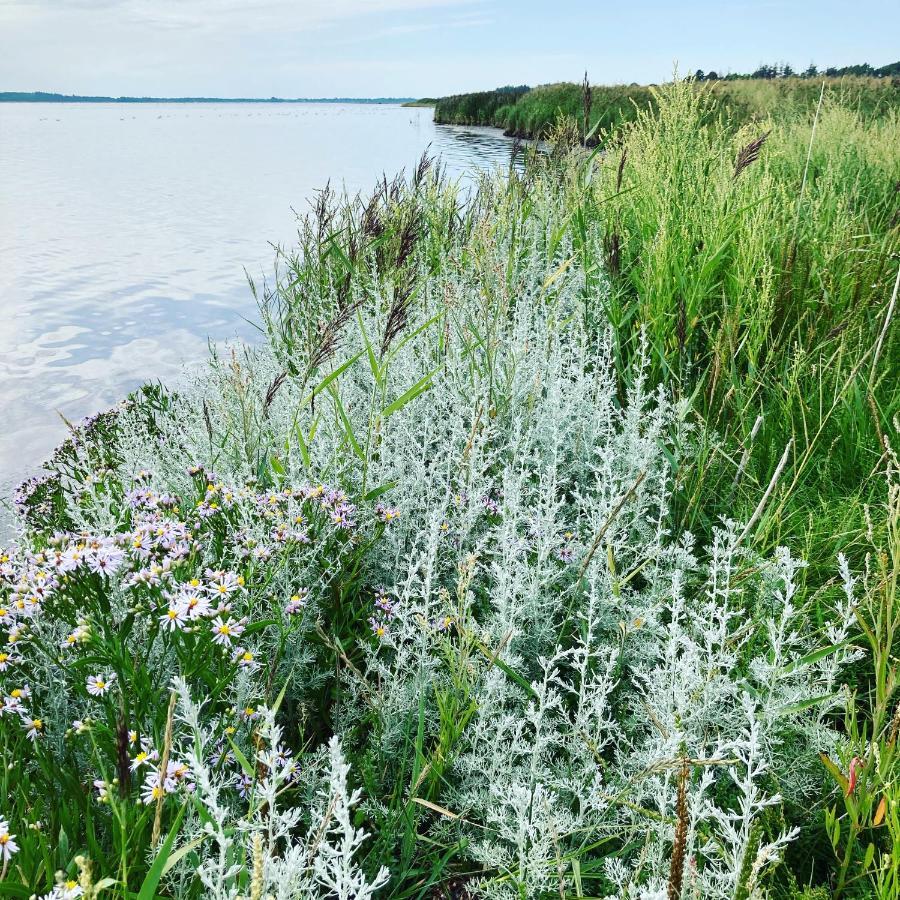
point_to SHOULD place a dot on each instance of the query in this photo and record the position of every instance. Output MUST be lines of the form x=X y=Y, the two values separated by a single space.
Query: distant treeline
x=44 y=97
x=785 y=70
x=529 y=112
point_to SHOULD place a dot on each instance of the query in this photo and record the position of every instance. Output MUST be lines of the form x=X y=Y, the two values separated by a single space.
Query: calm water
x=125 y=231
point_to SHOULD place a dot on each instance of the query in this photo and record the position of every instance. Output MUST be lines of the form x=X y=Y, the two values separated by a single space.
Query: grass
x=534 y=112
x=520 y=398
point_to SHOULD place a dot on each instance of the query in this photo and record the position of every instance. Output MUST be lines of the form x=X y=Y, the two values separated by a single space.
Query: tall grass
x=763 y=287
x=535 y=112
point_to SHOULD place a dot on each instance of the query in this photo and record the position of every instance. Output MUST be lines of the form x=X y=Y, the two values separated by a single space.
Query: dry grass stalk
x=163 y=768
x=679 y=846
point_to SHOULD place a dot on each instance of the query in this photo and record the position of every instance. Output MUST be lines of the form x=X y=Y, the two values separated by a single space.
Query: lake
x=125 y=231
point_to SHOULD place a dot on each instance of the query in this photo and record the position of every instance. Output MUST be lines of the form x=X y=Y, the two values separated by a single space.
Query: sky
x=416 y=48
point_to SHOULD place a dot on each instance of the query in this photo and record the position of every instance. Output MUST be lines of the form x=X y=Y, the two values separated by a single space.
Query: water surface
x=125 y=232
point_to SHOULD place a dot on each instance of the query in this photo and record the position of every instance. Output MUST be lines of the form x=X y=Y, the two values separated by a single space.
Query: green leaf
x=348 y=427
x=870 y=855
x=181 y=852
x=375 y=493
x=323 y=384
x=151 y=880
x=509 y=672
x=836 y=773
x=813 y=657
x=377 y=372
x=422 y=385
x=279 y=699
x=803 y=704
x=249 y=771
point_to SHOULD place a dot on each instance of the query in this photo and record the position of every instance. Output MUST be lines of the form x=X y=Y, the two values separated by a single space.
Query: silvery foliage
x=264 y=843
x=534 y=539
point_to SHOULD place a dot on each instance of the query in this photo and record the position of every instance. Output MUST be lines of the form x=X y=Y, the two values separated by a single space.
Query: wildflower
x=34 y=728
x=386 y=513
x=245 y=659
x=143 y=758
x=72 y=558
x=244 y=783
x=223 y=583
x=565 y=555
x=173 y=618
x=66 y=890
x=8 y=845
x=225 y=631
x=194 y=604
x=106 y=561
x=102 y=789
x=384 y=603
x=98 y=685
x=297 y=602
x=12 y=703
x=152 y=789
x=79 y=636
x=177 y=773
x=444 y=623
x=7 y=660
x=491 y=505
x=222 y=754
x=341 y=518
x=282 y=756
x=378 y=627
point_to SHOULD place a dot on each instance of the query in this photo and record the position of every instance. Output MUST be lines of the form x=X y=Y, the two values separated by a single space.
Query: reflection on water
x=125 y=232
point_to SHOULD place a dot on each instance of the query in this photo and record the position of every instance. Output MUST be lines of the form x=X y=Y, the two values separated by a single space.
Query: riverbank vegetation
x=532 y=112
x=546 y=546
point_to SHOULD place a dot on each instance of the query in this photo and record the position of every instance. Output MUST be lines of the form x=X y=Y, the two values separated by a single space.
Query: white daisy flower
x=173 y=618
x=225 y=631
x=98 y=685
x=8 y=846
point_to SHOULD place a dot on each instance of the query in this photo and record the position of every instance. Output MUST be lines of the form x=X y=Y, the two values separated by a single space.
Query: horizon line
x=54 y=96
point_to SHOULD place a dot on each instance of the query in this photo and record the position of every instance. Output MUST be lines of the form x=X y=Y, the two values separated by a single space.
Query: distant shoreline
x=45 y=97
